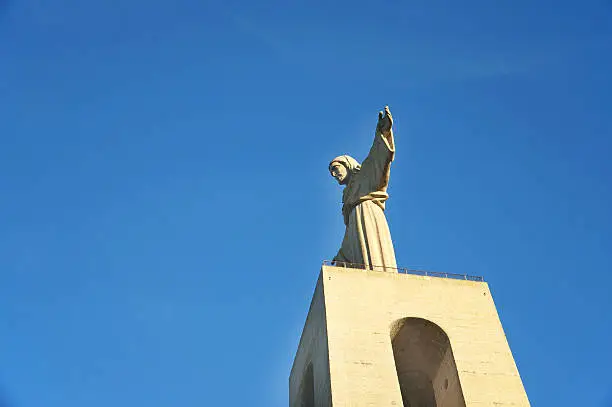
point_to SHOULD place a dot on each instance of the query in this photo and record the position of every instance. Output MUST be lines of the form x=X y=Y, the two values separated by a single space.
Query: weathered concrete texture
x=309 y=384
x=348 y=339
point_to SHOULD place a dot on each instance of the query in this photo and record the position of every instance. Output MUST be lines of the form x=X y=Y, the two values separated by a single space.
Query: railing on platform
x=403 y=270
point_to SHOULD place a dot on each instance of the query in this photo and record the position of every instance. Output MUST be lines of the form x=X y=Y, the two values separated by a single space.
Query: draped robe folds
x=367 y=239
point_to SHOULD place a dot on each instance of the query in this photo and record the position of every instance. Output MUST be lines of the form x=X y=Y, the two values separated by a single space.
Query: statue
x=367 y=240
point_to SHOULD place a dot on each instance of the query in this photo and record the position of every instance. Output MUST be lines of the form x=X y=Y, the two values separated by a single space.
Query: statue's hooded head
x=343 y=167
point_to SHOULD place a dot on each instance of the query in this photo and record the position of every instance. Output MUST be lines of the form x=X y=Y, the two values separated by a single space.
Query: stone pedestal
x=385 y=339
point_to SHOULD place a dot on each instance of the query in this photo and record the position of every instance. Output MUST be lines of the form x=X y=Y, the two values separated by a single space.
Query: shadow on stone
x=425 y=364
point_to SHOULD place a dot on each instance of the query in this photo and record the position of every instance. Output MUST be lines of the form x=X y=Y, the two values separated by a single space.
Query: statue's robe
x=367 y=239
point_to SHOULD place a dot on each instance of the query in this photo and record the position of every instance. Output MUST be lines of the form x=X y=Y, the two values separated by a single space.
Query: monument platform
x=374 y=338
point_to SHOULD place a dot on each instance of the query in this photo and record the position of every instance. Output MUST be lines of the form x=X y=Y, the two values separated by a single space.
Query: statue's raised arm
x=367 y=240
x=376 y=167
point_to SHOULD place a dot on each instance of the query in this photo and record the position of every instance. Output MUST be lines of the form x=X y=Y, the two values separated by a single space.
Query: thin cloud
x=438 y=65
x=417 y=63
x=407 y=63
x=254 y=30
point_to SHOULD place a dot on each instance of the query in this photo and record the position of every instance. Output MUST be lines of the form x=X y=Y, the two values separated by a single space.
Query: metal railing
x=403 y=270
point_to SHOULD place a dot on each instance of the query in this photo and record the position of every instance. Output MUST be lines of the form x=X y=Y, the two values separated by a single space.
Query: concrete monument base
x=386 y=339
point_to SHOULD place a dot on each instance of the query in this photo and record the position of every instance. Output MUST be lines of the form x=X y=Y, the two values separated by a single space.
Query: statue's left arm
x=376 y=167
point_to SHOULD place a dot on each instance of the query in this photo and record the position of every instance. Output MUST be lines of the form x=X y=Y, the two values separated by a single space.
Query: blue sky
x=166 y=203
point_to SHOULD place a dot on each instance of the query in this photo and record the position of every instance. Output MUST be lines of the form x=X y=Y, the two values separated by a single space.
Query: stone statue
x=367 y=240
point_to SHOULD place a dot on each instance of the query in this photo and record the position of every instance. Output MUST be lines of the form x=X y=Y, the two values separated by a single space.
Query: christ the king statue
x=367 y=240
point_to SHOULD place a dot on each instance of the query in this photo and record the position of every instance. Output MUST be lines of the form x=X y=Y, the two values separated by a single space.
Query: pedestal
x=375 y=338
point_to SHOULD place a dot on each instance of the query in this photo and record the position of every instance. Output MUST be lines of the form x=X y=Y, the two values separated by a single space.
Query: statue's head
x=343 y=167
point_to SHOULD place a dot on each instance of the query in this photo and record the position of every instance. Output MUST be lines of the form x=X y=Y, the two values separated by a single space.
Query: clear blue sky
x=166 y=203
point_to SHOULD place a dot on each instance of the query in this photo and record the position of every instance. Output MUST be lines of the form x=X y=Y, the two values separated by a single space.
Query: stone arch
x=306 y=392
x=425 y=364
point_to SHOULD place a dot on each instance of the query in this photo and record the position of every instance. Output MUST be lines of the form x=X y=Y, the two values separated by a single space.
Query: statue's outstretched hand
x=385 y=120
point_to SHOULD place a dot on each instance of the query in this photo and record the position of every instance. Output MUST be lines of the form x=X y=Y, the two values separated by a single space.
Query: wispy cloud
x=348 y=61
x=252 y=29
x=349 y=56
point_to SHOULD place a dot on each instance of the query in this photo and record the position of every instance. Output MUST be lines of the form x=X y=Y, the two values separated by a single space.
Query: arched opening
x=425 y=365
x=306 y=394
